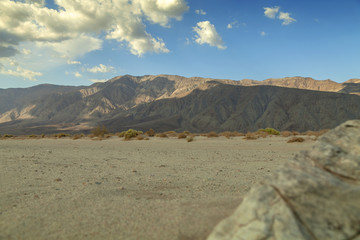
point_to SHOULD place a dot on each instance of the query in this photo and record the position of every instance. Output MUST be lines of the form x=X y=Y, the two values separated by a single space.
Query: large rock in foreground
x=314 y=196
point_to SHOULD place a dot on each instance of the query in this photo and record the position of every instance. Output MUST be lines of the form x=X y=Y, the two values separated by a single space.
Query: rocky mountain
x=168 y=102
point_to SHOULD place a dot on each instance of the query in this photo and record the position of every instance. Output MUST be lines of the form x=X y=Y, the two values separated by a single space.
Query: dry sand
x=115 y=189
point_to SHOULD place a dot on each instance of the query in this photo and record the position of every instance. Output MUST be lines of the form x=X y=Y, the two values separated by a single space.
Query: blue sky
x=78 y=42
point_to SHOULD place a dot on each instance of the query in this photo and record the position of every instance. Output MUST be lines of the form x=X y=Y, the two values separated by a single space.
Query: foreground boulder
x=314 y=196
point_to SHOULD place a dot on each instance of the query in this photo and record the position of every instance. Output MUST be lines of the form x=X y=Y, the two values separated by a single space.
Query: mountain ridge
x=52 y=108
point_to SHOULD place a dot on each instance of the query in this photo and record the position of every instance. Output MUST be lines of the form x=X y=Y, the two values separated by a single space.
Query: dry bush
x=228 y=134
x=190 y=138
x=77 y=136
x=140 y=137
x=286 y=133
x=161 y=135
x=251 y=136
x=99 y=131
x=212 y=134
x=296 y=139
x=171 y=133
x=261 y=133
x=181 y=135
x=8 y=136
x=150 y=133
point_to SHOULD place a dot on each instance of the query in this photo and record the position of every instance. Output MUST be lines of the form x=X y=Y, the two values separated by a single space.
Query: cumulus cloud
x=206 y=33
x=235 y=24
x=77 y=74
x=74 y=47
x=263 y=34
x=285 y=17
x=70 y=62
x=98 y=80
x=200 y=12
x=161 y=11
x=121 y=20
x=271 y=12
x=101 y=68
x=20 y=72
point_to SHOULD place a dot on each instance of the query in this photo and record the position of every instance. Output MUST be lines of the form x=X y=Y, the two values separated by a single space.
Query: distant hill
x=168 y=102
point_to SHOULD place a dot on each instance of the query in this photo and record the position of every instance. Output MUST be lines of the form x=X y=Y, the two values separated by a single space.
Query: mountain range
x=169 y=102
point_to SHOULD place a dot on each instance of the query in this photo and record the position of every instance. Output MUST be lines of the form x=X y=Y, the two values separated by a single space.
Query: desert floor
x=115 y=189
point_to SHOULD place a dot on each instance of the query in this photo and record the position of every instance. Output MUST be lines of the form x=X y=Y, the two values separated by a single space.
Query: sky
x=79 y=42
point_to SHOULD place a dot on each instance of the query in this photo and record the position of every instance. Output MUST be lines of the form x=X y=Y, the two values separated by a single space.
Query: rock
x=316 y=195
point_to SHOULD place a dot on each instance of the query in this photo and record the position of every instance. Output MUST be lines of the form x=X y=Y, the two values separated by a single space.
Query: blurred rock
x=314 y=196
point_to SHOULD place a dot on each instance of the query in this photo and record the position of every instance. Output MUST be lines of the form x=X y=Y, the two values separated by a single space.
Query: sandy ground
x=115 y=189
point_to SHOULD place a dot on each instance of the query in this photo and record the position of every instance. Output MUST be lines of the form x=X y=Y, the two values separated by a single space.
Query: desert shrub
x=251 y=136
x=295 y=133
x=99 y=131
x=140 y=137
x=120 y=134
x=181 y=135
x=187 y=133
x=190 y=138
x=62 y=135
x=171 y=133
x=286 y=133
x=296 y=139
x=77 y=136
x=228 y=134
x=150 y=133
x=43 y=136
x=33 y=136
x=8 y=136
x=212 y=134
x=161 y=135
x=271 y=131
x=131 y=133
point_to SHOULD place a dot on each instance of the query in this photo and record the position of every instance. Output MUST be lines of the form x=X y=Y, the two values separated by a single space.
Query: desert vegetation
x=101 y=133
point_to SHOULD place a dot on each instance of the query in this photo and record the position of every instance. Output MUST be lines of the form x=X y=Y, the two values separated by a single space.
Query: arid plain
x=162 y=188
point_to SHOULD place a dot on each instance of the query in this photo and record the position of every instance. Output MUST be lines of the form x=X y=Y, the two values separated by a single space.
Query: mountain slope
x=173 y=102
x=230 y=108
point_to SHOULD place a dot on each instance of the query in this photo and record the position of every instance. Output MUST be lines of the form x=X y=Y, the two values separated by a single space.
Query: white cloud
x=285 y=17
x=161 y=11
x=78 y=75
x=121 y=20
x=101 y=68
x=20 y=72
x=70 y=62
x=200 y=12
x=263 y=34
x=75 y=47
x=206 y=33
x=26 y=51
x=235 y=24
x=98 y=80
x=271 y=12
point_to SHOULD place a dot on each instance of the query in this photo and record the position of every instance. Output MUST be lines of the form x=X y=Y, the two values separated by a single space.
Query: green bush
x=131 y=133
x=270 y=131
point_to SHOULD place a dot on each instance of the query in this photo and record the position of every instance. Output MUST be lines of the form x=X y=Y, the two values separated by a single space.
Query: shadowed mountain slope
x=230 y=108
x=168 y=102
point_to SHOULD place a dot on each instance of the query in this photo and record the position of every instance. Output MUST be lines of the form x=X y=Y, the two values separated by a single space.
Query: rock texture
x=314 y=196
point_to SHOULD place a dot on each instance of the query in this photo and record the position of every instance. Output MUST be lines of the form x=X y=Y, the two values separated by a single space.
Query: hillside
x=169 y=102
